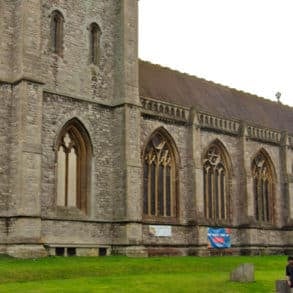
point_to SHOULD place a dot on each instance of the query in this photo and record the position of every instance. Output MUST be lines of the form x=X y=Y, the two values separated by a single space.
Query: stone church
x=102 y=153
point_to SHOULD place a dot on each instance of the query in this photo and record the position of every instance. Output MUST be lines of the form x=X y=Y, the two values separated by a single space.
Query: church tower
x=69 y=116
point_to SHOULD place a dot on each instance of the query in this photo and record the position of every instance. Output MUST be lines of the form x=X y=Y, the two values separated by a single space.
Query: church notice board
x=160 y=231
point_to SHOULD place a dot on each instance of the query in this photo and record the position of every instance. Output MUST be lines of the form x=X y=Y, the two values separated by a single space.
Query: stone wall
x=70 y=233
x=72 y=74
x=118 y=157
x=5 y=111
x=97 y=120
x=259 y=238
x=180 y=135
x=26 y=48
x=107 y=201
x=6 y=43
x=231 y=143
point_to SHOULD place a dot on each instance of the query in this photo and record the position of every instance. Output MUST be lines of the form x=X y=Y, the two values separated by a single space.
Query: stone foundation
x=26 y=251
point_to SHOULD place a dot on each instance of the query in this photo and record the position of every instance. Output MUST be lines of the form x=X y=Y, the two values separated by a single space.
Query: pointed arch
x=225 y=154
x=160 y=176
x=217 y=170
x=264 y=180
x=73 y=158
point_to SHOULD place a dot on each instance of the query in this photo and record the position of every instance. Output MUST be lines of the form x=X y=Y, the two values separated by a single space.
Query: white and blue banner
x=219 y=238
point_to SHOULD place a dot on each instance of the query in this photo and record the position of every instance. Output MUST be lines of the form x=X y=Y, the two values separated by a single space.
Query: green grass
x=122 y=274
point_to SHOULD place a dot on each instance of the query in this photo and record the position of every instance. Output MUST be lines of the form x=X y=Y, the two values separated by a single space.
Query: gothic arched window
x=216 y=184
x=57 y=22
x=263 y=187
x=160 y=177
x=73 y=166
x=95 y=34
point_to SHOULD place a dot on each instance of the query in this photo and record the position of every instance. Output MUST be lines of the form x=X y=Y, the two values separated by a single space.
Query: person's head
x=290 y=259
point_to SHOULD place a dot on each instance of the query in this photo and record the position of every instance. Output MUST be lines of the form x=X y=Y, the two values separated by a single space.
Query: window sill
x=160 y=220
x=70 y=213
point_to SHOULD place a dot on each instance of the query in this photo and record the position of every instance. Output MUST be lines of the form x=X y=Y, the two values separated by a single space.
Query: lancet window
x=73 y=166
x=216 y=184
x=95 y=34
x=263 y=188
x=57 y=23
x=160 y=184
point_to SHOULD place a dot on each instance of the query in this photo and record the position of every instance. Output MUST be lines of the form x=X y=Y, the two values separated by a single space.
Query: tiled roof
x=174 y=87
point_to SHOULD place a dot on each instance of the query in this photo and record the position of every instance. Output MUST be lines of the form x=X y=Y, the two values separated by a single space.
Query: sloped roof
x=174 y=87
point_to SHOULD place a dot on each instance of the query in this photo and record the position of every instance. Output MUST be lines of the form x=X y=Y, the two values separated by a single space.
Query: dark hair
x=290 y=257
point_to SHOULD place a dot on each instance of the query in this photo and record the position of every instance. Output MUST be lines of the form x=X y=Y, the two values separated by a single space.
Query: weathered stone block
x=136 y=251
x=282 y=286
x=243 y=273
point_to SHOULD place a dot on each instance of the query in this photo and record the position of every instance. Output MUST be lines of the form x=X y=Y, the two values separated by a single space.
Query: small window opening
x=102 y=251
x=57 y=32
x=59 y=251
x=71 y=251
x=95 y=34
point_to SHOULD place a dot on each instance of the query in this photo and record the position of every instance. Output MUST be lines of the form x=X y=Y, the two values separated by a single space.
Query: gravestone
x=282 y=286
x=243 y=273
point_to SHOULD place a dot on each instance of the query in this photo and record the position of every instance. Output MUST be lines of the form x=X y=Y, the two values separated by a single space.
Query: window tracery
x=263 y=188
x=73 y=167
x=159 y=178
x=215 y=183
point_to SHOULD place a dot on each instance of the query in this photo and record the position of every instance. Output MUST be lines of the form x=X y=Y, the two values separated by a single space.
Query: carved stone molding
x=172 y=112
x=264 y=134
x=165 y=110
x=220 y=124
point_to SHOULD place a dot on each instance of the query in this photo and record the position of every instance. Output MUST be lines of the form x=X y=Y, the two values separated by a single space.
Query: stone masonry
x=41 y=91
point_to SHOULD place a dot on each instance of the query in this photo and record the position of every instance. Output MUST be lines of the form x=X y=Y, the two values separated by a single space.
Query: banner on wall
x=219 y=237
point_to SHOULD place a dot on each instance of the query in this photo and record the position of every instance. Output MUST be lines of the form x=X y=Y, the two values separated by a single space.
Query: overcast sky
x=244 y=44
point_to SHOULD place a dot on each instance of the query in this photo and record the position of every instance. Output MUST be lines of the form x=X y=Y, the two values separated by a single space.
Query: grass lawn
x=122 y=274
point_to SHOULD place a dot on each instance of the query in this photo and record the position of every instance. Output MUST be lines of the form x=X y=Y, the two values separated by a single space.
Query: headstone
x=282 y=286
x=243 y=273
